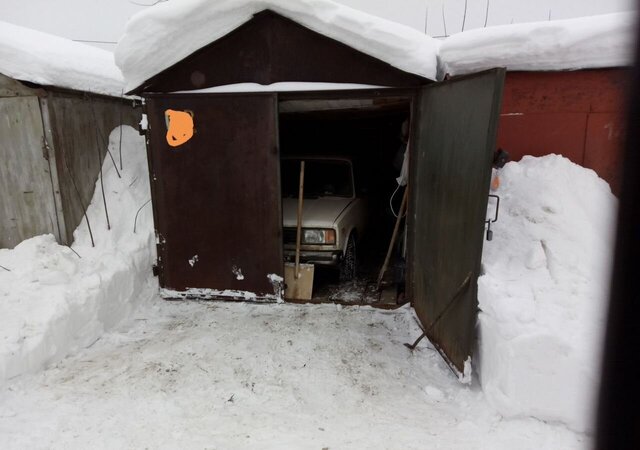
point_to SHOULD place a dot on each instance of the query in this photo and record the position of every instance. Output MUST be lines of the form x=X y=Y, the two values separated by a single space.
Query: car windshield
x=322 y=178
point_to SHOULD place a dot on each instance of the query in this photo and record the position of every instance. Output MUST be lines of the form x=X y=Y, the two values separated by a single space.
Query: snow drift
x=171 y=31
x=544 y=293
x=583 y=43
x=53 y=300
x=42 y=58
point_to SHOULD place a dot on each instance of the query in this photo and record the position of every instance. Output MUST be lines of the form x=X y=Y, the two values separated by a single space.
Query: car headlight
x=318 y=236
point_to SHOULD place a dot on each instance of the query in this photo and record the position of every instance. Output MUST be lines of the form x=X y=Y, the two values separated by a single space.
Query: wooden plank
x=14 y=88
x=27 y=206
x=62 y=235
x=73 y=120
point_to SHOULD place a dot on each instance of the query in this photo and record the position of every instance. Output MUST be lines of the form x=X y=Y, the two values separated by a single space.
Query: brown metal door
x=451 y=169
x=216 y=197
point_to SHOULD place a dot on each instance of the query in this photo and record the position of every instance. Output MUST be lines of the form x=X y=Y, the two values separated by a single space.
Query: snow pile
x=171 y=31
x=52 y=301
x=544 y=293
x=42 y=58
x=586 y=42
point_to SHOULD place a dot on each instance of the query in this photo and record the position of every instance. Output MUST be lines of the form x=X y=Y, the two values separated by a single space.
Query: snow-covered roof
x=587 y=42
x=30 y=55
x=163 y=35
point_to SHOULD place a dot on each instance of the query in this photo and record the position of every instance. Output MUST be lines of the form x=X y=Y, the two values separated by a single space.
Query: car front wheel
x=348 y=264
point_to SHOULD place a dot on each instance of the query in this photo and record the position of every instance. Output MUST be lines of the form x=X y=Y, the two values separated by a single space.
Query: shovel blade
x=300 y=288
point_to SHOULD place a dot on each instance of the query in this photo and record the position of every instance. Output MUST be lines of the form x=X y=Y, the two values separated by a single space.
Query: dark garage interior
x=369 y=133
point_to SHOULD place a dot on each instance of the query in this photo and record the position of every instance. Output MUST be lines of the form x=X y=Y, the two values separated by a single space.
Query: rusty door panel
x=540 y=134
x=451 y=159
x=606 y=133
x=565 y=113
x=596 y=90
x=216 y=198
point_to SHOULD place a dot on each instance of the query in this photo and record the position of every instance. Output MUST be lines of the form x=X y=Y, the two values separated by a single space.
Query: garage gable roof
x=165 y=35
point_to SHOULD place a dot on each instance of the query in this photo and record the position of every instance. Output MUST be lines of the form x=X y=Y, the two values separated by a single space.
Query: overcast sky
x=104 y=20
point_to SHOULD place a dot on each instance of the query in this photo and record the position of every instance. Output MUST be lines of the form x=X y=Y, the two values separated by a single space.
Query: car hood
x=316 y=212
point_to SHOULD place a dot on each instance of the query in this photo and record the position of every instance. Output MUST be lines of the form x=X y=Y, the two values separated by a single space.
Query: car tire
x=348 y=265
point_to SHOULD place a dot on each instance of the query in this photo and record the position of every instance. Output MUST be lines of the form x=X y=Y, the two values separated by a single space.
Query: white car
x=333 y=217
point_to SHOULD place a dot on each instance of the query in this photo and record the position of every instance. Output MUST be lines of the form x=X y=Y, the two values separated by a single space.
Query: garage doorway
x=353 y=148
x=233 y=163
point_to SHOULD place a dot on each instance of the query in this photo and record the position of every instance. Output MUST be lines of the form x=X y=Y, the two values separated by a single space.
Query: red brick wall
x=579 y=114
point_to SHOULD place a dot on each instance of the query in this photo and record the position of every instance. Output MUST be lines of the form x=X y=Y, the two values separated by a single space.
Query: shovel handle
x=299 y=227
x=396 y=228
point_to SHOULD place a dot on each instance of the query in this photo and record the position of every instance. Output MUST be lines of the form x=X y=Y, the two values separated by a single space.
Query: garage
x=229 y=122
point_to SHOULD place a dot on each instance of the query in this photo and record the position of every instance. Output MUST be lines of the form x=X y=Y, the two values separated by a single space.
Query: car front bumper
x=323 y=258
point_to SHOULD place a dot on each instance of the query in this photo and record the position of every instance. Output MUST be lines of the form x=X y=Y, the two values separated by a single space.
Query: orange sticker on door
x=179 y=126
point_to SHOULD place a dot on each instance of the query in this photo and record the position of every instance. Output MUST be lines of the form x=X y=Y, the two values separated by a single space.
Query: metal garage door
x=217 y=196
x=451 y=168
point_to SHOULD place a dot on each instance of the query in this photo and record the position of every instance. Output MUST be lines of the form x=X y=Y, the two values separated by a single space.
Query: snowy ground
x=235 y=375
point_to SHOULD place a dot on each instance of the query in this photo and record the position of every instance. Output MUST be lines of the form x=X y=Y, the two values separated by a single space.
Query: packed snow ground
x=544 y=295
x=239 y=375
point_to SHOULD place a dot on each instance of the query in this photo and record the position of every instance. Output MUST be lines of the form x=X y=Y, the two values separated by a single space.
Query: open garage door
x=216 y=194
x=454 y=142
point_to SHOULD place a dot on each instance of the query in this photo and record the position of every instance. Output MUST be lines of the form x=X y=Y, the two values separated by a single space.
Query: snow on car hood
x=316 y=212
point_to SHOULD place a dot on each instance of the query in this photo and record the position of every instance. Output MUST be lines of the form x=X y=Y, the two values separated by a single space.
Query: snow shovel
x=298 y=278
x=385 y=265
